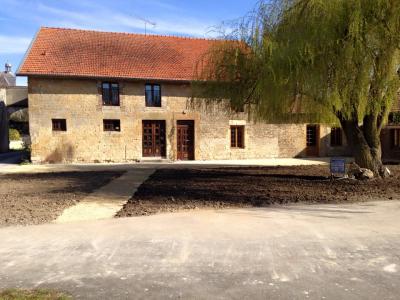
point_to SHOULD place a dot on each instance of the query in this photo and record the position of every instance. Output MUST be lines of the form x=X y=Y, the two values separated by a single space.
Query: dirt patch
x=27 y=199
x=169 y=190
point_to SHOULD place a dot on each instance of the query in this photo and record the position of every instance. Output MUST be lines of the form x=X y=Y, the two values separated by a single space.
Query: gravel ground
x=27 y=199
x=169 y=190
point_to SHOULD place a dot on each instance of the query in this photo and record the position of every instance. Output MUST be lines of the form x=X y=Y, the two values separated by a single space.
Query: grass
x=37 y=294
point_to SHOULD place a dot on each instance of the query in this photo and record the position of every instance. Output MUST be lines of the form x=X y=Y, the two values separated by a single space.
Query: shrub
x=14 y=134
x=395 y=118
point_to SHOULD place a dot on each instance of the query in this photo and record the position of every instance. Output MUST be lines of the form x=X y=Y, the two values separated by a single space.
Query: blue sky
x=20 y=19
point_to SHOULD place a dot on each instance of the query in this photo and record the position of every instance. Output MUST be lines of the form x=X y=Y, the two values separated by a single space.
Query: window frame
x=312 y=139
x=61 y=127
x=237 y=136
x=111 y=128
x=336 y=137
x=147 y=101
x=109 y=101
x=395 y=138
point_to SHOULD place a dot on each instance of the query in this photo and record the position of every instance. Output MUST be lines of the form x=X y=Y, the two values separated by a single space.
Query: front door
x=154 y=141
x=312 y=140
x=185 y=142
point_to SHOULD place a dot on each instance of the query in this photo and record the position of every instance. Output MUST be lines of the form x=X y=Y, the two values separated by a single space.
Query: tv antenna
x=146 y=21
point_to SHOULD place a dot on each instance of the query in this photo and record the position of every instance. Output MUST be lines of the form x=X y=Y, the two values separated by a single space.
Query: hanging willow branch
x=308 y=60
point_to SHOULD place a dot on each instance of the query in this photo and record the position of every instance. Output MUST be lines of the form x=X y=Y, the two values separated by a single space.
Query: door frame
x=190 y=123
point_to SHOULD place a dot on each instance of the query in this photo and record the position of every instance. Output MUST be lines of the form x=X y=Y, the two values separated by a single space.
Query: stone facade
x=80 y=103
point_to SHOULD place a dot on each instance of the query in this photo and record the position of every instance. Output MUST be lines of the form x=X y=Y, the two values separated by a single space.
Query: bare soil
x=27 y=199
x=169 y=190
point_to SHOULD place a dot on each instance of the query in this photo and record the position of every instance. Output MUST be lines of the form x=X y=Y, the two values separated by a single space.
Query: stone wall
x=79 y=102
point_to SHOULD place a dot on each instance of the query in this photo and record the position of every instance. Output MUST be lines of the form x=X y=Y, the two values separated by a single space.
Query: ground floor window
x=336 y=137
x=311 y=135
x=395 y=138
x=111 y=125
x=59 y=124
x=237 y=137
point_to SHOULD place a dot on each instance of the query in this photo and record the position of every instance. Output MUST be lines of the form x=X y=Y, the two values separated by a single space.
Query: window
x=59 y=124
x=237 y=108
x=111 y=125
x=391 y=118
x=237 y=136
x=395 y=137
x=153 y=95
x=311 y=135
x=110 y=92
x=336 y=137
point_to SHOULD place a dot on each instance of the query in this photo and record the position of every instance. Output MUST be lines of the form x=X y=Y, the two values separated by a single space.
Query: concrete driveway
x=296 y=252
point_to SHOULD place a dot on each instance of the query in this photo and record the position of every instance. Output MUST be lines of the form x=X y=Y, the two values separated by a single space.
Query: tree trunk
x=365 y=144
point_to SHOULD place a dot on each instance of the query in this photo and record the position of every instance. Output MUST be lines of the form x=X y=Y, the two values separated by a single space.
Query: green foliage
x=39 y=294
x=309 y=59
x=14 y=134
x=395 y=118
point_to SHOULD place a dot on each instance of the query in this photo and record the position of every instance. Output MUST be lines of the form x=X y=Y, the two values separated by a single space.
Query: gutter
x=67 y=76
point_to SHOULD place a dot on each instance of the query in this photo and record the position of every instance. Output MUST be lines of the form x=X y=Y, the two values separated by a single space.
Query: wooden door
x=154 y=141
x=185 y=140
x=313 y=136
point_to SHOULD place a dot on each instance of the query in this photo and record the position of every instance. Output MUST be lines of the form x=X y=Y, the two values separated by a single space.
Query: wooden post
x=4 y=140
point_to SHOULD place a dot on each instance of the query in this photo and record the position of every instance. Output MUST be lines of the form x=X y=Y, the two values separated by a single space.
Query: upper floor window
x=336 y=137
x=396 y=138
x=153 y=95
x=110 y=92
x=237 y=107
x=59 y=124
x=237 y=136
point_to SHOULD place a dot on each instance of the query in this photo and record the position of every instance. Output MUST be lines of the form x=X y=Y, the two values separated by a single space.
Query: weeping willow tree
x=333 y=61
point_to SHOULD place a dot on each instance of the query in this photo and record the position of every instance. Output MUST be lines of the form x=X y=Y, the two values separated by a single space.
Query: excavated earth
x=27 y=199
x=169 y=190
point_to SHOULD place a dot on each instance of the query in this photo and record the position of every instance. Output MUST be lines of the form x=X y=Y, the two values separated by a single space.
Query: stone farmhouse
x=118 y=97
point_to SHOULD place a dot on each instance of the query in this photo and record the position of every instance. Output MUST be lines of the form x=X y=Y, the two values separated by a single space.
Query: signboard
x=338 y=166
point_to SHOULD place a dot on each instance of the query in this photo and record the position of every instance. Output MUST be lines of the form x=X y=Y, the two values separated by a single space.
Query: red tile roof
x=83 y=53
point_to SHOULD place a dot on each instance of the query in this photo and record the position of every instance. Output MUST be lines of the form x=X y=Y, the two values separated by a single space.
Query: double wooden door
x=154 y=141
x=185 y=140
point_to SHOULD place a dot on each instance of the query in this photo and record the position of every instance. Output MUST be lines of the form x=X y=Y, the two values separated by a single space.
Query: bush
x=395 y=118
x=14 y=134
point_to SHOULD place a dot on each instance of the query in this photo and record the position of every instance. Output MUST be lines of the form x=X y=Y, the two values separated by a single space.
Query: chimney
x=8 y=68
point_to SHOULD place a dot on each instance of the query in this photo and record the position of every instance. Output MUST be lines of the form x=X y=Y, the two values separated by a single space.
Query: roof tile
x=84 y=53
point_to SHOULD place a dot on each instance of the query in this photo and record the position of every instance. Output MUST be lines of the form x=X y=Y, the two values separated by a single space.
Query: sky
x=21 y=19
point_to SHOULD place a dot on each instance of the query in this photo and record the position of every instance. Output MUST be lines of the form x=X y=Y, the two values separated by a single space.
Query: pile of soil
x=169 y=190
x=27 y=199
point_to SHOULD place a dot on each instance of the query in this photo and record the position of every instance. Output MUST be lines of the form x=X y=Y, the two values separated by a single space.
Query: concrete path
x=44 y=168
x=108 y=200
x=295 y=252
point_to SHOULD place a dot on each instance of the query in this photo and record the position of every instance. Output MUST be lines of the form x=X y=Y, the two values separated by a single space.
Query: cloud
x=116 y=21
x=13 y=44
x=164 y=25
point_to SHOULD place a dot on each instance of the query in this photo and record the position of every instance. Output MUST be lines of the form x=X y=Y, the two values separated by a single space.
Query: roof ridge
x=136 y=34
